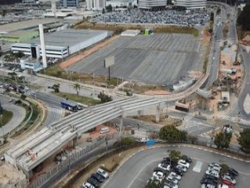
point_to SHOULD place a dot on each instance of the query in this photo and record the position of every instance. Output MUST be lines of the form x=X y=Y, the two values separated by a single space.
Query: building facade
x=152 y=4
x=69 y=3
x=191 y=4
x=96 y=4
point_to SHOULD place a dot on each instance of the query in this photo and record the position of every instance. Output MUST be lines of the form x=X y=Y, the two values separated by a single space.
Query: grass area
x=97 y=80
x=77 y=98
x=6 y=117
x=118 y=28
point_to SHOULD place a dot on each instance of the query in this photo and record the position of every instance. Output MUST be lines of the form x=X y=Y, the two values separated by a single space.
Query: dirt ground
x=164 y=121
x=86 y=53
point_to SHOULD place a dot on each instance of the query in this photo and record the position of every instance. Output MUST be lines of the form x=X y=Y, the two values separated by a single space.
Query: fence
x=78 y=157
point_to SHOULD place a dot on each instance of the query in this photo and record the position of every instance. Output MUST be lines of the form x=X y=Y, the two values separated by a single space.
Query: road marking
x=198 y=166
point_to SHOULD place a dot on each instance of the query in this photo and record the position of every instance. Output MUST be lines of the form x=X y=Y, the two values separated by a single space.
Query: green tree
x=77 y=87
x=222 y=140
x=244 y=141
x=172 y=134
x=224 y=169
x=104 y=98
x=153 y=184
x=109 y=8
x=23 y=97
x=174 y=156
x=244 y=18
x=4 y=12
x=56 y=88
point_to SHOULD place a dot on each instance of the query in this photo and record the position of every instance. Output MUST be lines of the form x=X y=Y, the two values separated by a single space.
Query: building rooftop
x=24 y=25
x=67 y=37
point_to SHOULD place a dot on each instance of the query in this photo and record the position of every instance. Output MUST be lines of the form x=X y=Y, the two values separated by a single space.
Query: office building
x=96 y=4
x=69 y=3
x=152 y=4
x=191 y=4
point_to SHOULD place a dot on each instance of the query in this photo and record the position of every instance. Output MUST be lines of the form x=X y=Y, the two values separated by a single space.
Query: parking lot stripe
x=198 y=166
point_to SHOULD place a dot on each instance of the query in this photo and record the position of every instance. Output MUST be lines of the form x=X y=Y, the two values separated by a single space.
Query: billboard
x=109 y=61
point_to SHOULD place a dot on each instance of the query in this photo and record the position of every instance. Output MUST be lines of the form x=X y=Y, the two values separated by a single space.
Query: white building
x=96 y=4
x=62 y=43
x=152 y=4
x=121 y=3
x=191 y=4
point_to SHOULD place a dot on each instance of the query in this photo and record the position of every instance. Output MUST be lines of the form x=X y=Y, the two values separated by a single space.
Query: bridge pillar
x=157 y=114
x=74 y=142
x=120 y=126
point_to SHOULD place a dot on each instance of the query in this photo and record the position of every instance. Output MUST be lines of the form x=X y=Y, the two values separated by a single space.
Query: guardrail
x=73 y=160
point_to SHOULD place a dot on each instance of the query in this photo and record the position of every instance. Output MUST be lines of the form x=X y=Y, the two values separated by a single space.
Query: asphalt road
x=17 y=118
x=53 y=104
x=155 y=59
x=245 y=91
x=138 y=169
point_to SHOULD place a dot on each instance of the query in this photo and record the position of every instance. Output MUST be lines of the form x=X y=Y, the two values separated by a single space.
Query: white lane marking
x=139 y=173
x=198 y=166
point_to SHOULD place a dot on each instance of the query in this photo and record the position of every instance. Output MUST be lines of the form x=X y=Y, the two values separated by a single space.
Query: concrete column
x=157 y=114
x=120 y=126
x=74 y=142
x=42 y=42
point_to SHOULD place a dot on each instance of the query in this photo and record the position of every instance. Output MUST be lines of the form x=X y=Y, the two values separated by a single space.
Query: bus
x=69 y=105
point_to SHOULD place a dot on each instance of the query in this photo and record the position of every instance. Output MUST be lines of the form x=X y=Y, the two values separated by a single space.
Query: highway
x=138 y=169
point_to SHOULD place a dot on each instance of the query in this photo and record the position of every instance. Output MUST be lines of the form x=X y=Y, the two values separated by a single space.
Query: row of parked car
x=215 y=178
x=168 y=173
x=96 y=179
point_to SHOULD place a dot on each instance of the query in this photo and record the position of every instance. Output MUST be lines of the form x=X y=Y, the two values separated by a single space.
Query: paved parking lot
x=156 y=59
x=136 y=171
x=194 y=17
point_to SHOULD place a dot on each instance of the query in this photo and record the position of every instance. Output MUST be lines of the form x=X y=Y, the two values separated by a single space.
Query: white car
x=103 y=173
x=183 y=163
x=172 y=179
x=164 y=167
x=228 y=178
x=212 y=165
x=158 y=175
x=173 y=174
x=213 y=173
x=214 y=168
x=87 y=185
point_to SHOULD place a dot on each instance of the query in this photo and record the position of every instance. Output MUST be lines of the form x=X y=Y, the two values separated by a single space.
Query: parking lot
x=156 y=59
x=135 y=172
x=194 y=17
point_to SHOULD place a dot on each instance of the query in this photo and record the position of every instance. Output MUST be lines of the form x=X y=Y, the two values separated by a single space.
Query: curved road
x=244 y=98
x=17 y=118
x=135 y=172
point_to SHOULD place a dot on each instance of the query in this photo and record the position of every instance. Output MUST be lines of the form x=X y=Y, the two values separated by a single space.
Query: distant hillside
x=8 y=2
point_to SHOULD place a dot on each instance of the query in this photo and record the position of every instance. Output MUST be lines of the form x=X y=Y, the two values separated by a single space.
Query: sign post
x=108 y=62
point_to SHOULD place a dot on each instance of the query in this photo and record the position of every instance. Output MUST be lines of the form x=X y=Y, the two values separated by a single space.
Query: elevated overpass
x=37 y=148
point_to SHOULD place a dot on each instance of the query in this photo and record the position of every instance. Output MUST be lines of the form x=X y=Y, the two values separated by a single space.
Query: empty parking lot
x=156 y=59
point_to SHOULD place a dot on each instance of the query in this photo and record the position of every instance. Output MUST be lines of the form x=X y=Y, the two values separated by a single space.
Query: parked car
x=93 y=182
x=213 y=173
x=98 y=177
x=164 y=166
x=186 y=158
x=182 y=168
x=233 y=171
x=103 y=173
x=228 y=178
x=87 y=185
x=183 y=163
x=173 y=174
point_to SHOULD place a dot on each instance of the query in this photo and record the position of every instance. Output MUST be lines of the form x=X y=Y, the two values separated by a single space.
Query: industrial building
x=121 y=3
x=191 y=4
x=62 y=43
x=25 y=30
x=152 y=4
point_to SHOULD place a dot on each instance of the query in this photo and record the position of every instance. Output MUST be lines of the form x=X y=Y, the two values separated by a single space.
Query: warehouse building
x=25 y=30
x=191 y=4
x=62 y=43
